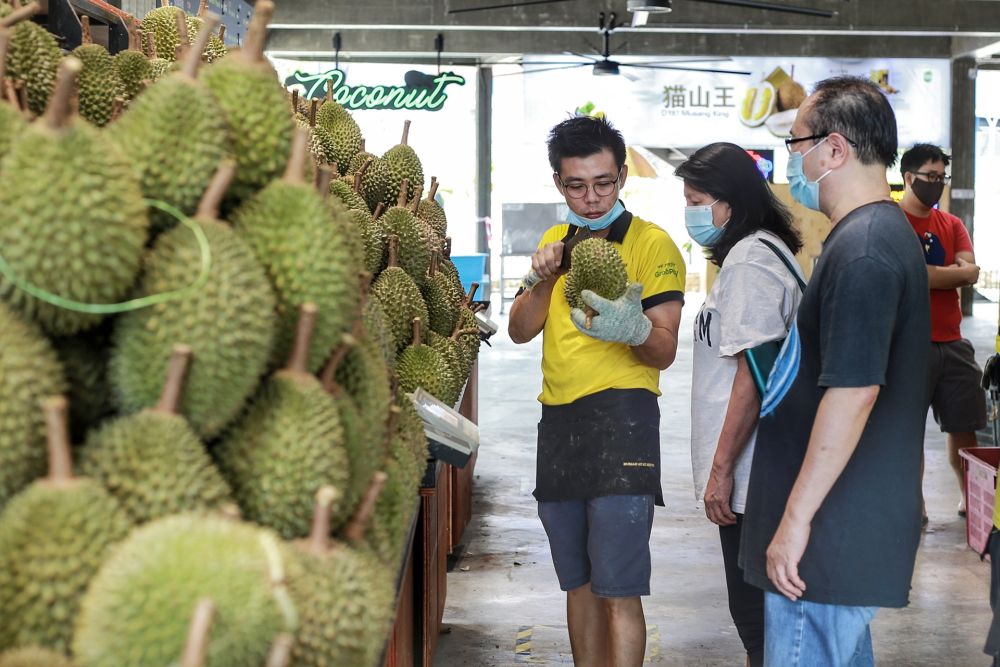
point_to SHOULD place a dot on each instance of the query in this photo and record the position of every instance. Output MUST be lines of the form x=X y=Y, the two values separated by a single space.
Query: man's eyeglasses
x=933 y=176
x=813 y=137
x=601 y=188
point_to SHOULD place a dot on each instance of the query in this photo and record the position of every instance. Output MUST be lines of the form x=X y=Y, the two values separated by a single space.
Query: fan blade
x=687 y=69
x=685 y=60
x=518 y=3
x=580 y=55
x=544 y=69
x=788 y=9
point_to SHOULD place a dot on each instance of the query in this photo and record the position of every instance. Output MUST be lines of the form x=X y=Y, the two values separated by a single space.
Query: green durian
x=153 y=462
x=442 y=298
x=431 y=212
x=420 y=366
x=399 y=297
x=414 y=251
x=311 y=254
x=33 y=656
x=452 y=355
x=158 y=67
x=595 y=266
x=288 y=444
x=467 y=334
x=88 y=253
x=29 y=371
x=376 y=181
x=98 y=85
x=338 y=134
x=33 y=56
x=132 y=67
x=403 y=164
x=373 y=237
x=253 y=103
x=11 y=118
x=229 y=322
x=161 y=24
x=215 y=48
x=347 y=191
x=377 y=332
x=54 y=536
x=178 y=111
x=137 y=610
x=84 y=358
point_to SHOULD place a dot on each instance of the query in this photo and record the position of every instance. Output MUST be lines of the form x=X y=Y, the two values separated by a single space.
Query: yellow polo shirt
x=574 y=364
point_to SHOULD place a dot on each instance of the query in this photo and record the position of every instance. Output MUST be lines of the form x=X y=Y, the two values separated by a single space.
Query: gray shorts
x=604 y=541
x=956 y=396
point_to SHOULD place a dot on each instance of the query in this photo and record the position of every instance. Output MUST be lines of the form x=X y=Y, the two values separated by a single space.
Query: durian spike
x=406 y=133
x=355 y=530
x=202 y=8
x=295 y=171
x=295 y=102
x=333 y=363
x=253 y=48
x=196 y=646
x=416 y=333
x=56 y=409
x=303 y=337
x=58 y=111
x=416 y=201
x=324 y=176
x=319 y=535
x=472 y=293
x=152 y=45
x=170 y=398
x=435 y=259
x=208 y=207
x=404 y=187
x=313 y=105
x=379 y=210
x=85 y=36
x=183 y=39
x=192 y=59
x=20 y=14
x=432 y=193
x=281 y=651
x=393 y=250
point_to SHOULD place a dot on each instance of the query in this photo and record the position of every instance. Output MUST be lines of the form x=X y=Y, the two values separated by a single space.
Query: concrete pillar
x=963 y=150
x=484 y=161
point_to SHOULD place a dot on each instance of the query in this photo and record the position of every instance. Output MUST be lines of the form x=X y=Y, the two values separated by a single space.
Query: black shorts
x=955 y=393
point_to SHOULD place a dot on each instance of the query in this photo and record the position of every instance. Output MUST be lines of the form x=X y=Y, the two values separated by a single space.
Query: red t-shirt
x=943 y=235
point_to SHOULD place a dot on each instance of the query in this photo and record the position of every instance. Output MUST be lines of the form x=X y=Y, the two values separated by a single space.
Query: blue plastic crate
x=472 y=269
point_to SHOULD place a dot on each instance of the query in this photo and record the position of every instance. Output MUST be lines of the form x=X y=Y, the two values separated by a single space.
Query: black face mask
x=928 y=193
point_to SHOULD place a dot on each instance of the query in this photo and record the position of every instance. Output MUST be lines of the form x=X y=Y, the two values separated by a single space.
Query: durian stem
x=170 y=398
x=447 y=247
x=329 y=92
x=394 y=384
x=416 y=332
x=297 y=361
x=404 y=188
x=324 y=176
x=362 y=145
x=57 y=429
x=202 y=8
x=355 y=531
x=117 y=105
x=463 y=332
x=365 y=280
x=281 y=651
x=313 y=105
x=152 y=45
x=196 y=647
x=208 y=207
x=379 y=210
x=432 y=193
x=222 y=34
x=406 y=132
x=253 y=49
x=416 y=201
x=435 y=259
x=58 y=111
x=319 y=536
x=193 y=58
x=4 y=43
x=183 y=39
x=589 y=320
x=295 y=102
x=85 y=36
x=361 y=173
x=164 y=3
x=21 y=92
x=11 y=94
x=296 y=169
x=472 y=293
x=20 y=14
x=333 y=363
x=390 y=424
x=393 y=250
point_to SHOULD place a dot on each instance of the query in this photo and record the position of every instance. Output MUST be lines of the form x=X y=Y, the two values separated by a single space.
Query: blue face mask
x=698 y=220
x=804 y=191
x=599 y=223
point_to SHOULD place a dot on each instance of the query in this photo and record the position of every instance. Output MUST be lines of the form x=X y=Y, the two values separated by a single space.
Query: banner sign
x=419 y=92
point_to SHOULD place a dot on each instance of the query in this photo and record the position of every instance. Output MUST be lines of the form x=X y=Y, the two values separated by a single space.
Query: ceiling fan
x=664 y=6
x=603 y=64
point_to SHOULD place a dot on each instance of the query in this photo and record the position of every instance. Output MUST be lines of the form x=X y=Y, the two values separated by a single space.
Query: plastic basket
x=980 y=468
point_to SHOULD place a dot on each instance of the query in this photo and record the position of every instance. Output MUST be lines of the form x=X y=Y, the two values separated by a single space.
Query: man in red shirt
x=954 y=393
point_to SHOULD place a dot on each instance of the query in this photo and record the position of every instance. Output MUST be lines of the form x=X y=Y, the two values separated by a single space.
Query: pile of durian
x=227 y=475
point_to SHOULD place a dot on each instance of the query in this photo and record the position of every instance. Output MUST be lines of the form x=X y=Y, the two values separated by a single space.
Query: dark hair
x=583 y=136
x=920 y=155
x=728 y=173
x=857 y=109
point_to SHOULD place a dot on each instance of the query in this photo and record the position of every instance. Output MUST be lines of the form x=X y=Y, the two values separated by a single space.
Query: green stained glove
x=618 y=321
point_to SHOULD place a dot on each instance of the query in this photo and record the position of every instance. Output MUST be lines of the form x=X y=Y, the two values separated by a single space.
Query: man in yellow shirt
x=598 y=462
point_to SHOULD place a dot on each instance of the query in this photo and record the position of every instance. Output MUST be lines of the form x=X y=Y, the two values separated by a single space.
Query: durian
x=33 y=56
x=98 y=84
x=137 y=609
x=152 y=462
x=339 y=136
x=11 y=117
x=34 y=656
x=228 y=322
x=215 y=48
x=420 y=366
x=595 y=266
x=161 y=24
x=403 y=163
x=132 y=67
x=87 y=253
x=53 y=537
x=399 y=297
x=84 y=359
x=431 y=212
x=442 y=298
x=347 y=191
x=414 y=251
x=373 y=237
x=289 y=443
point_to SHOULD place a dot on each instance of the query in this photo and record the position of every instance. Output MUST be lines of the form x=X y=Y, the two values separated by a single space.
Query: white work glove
x=618 y=321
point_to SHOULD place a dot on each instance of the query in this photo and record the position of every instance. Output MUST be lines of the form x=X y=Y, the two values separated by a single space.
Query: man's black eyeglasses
x=933 y=176
x=601 y=189
x=794 y=140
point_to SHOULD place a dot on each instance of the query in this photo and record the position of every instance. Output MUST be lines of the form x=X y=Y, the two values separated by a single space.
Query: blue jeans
x=811 y=634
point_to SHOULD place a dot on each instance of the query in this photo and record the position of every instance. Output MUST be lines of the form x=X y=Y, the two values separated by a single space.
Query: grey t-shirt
x=752 y=301
x=864 y=320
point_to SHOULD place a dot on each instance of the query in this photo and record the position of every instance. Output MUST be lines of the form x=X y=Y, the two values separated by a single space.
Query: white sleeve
x=755 y=305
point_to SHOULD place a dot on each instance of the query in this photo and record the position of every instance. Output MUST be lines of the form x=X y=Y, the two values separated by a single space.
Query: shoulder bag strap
x=786 y=262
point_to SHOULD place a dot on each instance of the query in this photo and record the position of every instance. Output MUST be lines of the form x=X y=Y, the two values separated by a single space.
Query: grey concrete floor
x=504 y=606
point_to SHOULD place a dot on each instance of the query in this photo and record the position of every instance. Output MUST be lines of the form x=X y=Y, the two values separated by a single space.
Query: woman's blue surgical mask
x=698 y=220
x=597 y=224
x=804 y=191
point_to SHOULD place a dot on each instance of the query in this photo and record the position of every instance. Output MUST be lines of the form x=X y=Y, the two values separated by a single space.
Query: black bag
x=761 y=359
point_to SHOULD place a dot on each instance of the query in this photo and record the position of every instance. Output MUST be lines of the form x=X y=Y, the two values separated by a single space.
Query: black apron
x=604 y=444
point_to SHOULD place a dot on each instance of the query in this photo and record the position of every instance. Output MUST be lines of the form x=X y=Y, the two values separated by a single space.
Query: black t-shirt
x=864 y=320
